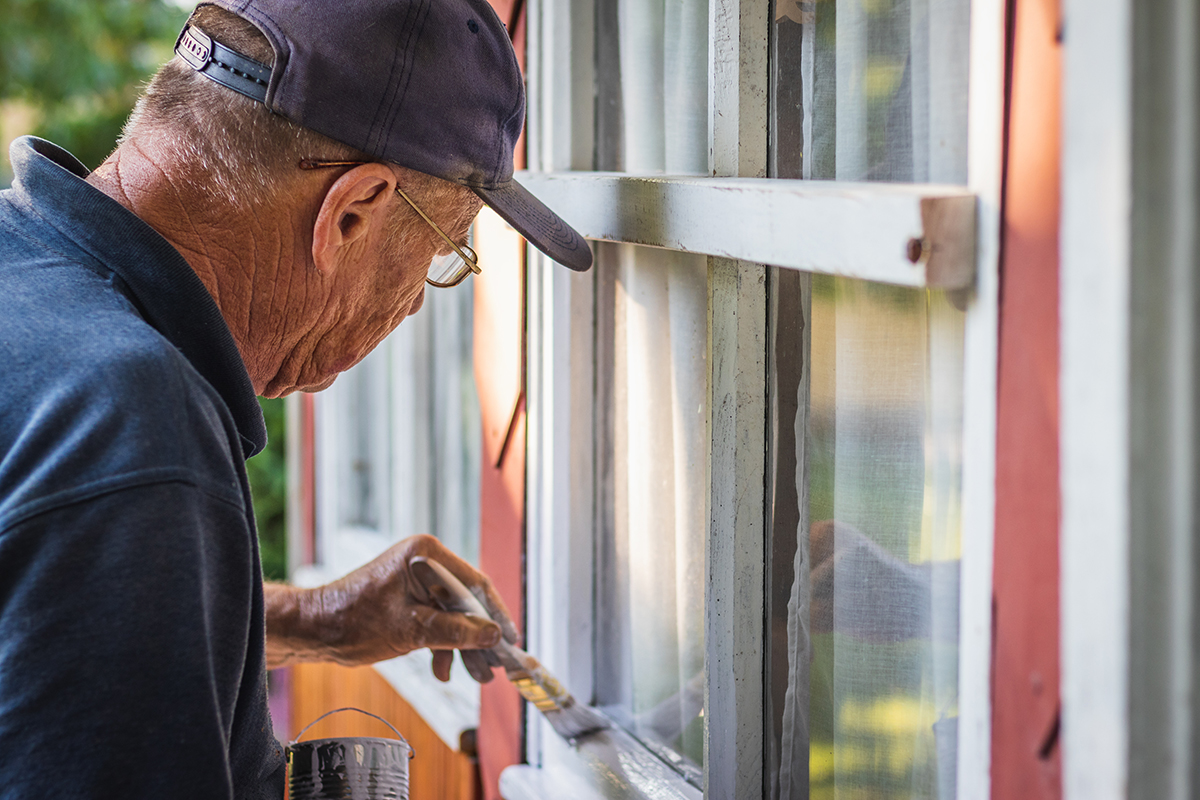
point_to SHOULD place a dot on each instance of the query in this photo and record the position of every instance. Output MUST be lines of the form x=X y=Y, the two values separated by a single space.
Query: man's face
x=384 y=281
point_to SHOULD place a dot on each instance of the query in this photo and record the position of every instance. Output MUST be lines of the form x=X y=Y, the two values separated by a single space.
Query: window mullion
x=737 y=335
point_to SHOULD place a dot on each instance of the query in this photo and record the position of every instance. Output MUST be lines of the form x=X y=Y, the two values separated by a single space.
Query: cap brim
x=544 y=229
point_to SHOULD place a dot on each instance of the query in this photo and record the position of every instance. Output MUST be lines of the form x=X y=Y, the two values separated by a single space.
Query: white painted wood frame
x=1095 y=399
x=859 y=230
x=734 y=600
x=1129 y=300
x=985 y=147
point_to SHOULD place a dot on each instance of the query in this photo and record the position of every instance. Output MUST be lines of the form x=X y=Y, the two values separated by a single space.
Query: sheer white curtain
x=659 y=384
x=875 y=91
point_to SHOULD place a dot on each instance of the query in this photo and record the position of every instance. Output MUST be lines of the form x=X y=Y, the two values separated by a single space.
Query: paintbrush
x=569 y=718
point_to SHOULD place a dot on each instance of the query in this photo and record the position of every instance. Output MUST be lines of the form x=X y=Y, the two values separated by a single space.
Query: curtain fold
x=654 y=588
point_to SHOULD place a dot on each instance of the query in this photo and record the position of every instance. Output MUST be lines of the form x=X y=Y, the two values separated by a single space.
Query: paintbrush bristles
x=569 y=718
x=575 y=719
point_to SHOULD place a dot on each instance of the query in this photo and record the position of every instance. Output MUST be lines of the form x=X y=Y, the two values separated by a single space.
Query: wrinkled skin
x=308 y=286
x=380 y=611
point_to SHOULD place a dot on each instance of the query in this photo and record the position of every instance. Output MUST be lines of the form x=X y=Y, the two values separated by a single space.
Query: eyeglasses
x=444 y=271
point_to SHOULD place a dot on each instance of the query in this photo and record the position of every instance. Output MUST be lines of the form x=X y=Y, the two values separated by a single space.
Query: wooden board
x=1026 y=760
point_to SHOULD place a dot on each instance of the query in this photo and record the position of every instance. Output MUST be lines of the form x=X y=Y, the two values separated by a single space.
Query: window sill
x=613 y=759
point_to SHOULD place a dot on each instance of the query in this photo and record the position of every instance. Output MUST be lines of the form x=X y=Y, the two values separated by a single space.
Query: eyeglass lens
x=448 y=269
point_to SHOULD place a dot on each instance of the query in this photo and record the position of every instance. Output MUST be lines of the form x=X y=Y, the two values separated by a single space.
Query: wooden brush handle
x=450 y=593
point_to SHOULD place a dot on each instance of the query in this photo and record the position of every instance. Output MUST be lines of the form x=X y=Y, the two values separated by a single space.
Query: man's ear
x=353 y=206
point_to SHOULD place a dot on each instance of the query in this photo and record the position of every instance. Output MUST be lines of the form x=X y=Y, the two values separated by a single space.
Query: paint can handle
x=400 y=736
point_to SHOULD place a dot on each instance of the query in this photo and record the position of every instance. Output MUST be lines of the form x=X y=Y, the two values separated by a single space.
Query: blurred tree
x=70 y=71
x=74 y=67
x=268 y=485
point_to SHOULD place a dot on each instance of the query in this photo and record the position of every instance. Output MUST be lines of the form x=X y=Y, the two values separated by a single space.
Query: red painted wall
x=1026 y=760
x=500 y=378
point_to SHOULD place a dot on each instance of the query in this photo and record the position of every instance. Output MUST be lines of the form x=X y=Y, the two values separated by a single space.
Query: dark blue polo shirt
x=131 y=606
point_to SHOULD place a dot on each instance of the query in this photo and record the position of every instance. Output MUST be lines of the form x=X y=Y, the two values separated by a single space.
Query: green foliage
x=268 y=485
x=79 y=65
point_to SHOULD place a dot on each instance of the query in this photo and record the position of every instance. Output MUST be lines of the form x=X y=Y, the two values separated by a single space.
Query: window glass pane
x=871 y=532
x=870 y=90
x=650 y=615
x=406 y=431
x=652 y=82
x=652 y=117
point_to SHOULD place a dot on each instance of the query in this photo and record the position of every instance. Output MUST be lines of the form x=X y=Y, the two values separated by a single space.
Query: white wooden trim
x=734 y=600
x=738 y=80
x=559 y=491
x=859 y=230
x=1095 y=319
x=735 y=595
x=1163 y=486
x=985 y=177
x=559 y=482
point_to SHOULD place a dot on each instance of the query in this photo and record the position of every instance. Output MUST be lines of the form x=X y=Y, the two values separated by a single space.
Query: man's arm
x=380 y=611
x=124 y=666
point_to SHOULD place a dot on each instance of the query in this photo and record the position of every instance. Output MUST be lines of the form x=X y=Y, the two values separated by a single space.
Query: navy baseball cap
x=432 y=85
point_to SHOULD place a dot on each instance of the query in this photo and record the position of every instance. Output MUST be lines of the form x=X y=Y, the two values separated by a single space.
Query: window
x=853 y=379
x=866 y=503
x=863 y=588
x=399 y=452
x=400 y=436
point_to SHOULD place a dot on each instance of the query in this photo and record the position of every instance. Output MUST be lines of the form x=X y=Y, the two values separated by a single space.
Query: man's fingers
x=477 y=664
x=448 y=629
x=442 y=660
x=473 y=579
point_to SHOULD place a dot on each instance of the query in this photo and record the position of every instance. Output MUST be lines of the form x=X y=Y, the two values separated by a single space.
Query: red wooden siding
x=499 y=375
x=1025 y=754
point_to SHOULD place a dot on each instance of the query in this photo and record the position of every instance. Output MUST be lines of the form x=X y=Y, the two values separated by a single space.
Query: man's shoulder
x=93 y=393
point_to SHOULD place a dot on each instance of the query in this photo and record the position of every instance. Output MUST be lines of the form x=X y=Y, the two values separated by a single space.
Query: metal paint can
x=349 y=767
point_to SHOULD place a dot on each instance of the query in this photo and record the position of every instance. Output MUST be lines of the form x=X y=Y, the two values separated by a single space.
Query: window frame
x=561 y=475
x=1129 y=388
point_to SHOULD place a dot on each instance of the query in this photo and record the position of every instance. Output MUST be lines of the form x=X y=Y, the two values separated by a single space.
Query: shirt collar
x=48 y=182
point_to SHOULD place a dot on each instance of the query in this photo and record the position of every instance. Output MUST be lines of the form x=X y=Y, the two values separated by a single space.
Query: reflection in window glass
x=866 y=420
x=650 y=604
x=652 y=116
x=362 y=466
x=871 y=621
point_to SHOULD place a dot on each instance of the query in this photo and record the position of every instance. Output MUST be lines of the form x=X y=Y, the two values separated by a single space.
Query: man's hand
x=380 y=611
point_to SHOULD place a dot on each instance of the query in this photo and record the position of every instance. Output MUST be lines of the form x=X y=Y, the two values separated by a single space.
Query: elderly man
x=284 y=191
